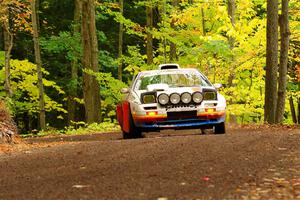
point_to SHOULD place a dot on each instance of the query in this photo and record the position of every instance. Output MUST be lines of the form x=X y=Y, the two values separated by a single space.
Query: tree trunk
x=173 y=54
x=231 y=14
x=271 y=61
x=231 y=40
x=8 y=44
x=120 y=68
x=284 y=50
x=74 y=66
x=149 y=13
x=293 y=111
x=162 y=18
x=38 y=61
x=37 y=8
x=298 y=110
x=203 y=22
x=91 y=89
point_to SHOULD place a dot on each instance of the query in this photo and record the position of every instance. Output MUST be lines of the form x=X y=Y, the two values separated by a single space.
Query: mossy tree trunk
x=38 y=61
x=73 y=93
x=231 y=7
x=173 y=47
x=91 y=88
x=284 y=50
x=149 y=44
x=120 y=45
x=271 y=62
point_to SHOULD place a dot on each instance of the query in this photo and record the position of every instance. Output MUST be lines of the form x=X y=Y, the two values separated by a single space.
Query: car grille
x=150 y=107
x=181 y=106
x=181 y=115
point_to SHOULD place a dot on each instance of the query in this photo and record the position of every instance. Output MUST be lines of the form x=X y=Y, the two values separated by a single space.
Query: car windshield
x=178 y=79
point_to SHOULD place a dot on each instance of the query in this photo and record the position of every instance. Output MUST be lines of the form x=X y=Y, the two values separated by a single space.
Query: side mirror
x=125 y=90
x=217 y=85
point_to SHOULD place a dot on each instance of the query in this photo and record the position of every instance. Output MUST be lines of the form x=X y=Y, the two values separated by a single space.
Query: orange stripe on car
x=150 y=117
x=211 y=114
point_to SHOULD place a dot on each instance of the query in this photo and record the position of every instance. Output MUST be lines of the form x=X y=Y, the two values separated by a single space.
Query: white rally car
x=171 y=98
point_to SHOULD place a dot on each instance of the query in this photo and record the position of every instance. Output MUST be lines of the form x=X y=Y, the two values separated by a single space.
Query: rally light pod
x=174 y=98
x=163 y=99
x=197 y=97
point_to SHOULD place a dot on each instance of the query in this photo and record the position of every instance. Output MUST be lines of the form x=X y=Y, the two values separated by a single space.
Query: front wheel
x=219 y=128
x=134 y=132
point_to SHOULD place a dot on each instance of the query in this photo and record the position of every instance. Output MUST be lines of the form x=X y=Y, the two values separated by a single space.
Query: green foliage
x=110 y=90
x=135 y=61
x=131 y=27
x=79 y=128
x=69 y=45
x=107 y=62
x=93 y=128
x=24 y=86
x=65 y=42
x=2 y=58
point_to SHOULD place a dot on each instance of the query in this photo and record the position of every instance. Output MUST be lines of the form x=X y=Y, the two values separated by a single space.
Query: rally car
x=171 y=98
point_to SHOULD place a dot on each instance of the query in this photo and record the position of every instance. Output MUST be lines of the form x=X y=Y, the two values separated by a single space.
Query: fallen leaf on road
x=162 y=198
x=282 y=149
x=268 y=180
x=80 y=186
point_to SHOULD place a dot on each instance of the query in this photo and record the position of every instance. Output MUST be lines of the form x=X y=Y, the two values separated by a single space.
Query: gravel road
x=242 y=164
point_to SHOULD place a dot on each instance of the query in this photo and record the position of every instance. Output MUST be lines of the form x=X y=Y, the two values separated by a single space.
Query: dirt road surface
x=242 y=164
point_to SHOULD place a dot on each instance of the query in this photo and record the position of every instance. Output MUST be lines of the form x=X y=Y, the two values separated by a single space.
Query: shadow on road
x=113 y=136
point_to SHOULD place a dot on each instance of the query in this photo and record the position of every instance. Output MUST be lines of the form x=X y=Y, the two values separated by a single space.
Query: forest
x=63 y=63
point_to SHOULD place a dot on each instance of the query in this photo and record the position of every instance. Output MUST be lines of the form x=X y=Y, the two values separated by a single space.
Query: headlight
x=210 y=96
x=149 y=98
x=197 y=97
x=186 y=97
x=175 y=98
x=163 y=99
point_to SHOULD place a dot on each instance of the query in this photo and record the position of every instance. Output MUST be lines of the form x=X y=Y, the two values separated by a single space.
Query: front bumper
x=159 y=122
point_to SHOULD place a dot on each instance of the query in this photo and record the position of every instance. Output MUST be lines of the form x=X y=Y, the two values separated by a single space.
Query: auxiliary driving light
x=163 y=99
x=197 y=97
x=149 y=98
x=152 y=113
x=210 y=96
x=175 y=98
x=210 y=110
x=186 y=97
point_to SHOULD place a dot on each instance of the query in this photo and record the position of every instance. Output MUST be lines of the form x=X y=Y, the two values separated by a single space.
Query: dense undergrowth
x=78 y=129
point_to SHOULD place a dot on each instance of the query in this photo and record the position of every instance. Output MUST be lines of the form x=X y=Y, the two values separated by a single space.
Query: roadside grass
x=78 y=129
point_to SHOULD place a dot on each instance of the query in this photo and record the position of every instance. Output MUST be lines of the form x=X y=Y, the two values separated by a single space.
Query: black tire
x=134 y=132
x=137 y=134
x=126 y=135
x=220 y=128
